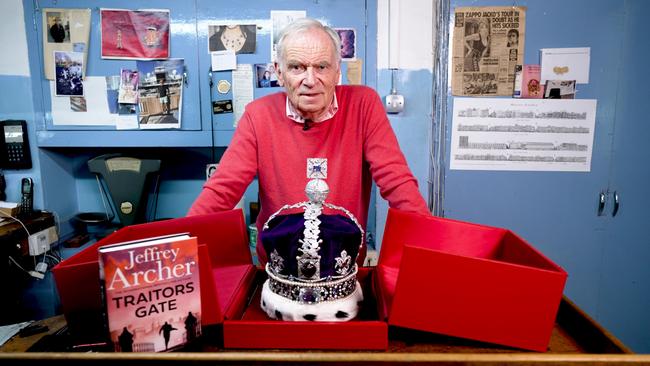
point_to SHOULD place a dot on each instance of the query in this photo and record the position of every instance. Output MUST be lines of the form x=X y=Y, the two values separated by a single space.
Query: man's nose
x=310 y=77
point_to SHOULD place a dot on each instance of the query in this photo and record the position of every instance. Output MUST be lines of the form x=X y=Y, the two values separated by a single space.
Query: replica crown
x=312 y=260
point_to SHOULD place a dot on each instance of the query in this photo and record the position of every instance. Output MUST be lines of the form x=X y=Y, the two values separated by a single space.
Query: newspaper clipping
x=488 y=47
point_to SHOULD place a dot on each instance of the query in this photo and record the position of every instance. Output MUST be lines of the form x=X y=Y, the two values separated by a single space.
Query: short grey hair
x=302 y=25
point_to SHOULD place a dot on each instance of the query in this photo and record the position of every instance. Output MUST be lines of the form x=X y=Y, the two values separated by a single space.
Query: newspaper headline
x=487 y=49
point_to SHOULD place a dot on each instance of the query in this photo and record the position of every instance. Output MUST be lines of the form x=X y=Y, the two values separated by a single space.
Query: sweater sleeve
x=388 y=166
x=236 y=170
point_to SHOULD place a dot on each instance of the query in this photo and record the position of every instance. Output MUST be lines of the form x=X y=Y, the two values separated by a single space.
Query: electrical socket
x=394 y=103
x=40 y=242
x=210 y=169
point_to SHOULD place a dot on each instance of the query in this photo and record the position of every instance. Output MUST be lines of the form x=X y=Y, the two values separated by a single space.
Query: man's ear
x=279 y=74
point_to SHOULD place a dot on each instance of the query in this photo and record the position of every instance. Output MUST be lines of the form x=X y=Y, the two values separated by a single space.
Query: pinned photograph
x=68 y=68
x=560 y=89
x=58 y=26
x=160 y=93
x=78 y=104
x=128 y=87
x=348 y=43
x=266 y=77
x=134 y=34
x=240 y=38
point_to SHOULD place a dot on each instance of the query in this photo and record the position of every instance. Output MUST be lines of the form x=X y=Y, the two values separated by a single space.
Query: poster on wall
x=487 y=49
x=279 y=20
x=65 y=30
x=160 y=93
x=348 y=43
x=240 y=38
x=522 y=134
x=135 y=34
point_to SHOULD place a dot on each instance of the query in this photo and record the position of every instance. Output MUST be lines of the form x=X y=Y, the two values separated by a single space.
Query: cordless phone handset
x=27 y=201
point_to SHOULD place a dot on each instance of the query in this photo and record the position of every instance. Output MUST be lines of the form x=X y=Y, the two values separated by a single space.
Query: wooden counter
x=576 y=340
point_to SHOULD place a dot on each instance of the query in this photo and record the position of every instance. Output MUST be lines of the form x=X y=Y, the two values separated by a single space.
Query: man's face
x=310 y=72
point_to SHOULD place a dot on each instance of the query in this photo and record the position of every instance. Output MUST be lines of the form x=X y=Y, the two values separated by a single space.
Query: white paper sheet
x=223 y=60
x=522 y=134
x=565 y=64
x=242 y=90
x=279 y=20
x=126 y=121
x=8 y=331
x=97 y=113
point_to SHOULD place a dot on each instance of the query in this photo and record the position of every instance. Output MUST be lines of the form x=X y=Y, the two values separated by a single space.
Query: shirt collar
x=294 y=115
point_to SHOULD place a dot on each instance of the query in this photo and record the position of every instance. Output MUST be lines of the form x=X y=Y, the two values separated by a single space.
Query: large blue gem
x=308 y=295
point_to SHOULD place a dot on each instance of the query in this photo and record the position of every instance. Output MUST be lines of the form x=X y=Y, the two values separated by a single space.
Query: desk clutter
x=434 y=275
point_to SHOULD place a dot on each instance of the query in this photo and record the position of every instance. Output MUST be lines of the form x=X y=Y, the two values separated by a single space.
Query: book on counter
x=151 y=292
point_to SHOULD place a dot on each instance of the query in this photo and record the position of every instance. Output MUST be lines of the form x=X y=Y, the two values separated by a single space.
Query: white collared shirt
x=293 y=113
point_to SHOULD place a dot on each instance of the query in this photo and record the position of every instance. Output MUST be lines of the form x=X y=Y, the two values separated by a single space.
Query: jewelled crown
x=312 y=255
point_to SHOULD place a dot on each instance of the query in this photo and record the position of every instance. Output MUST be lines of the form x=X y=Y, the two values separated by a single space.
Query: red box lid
x=223 y=256
x=467 y=280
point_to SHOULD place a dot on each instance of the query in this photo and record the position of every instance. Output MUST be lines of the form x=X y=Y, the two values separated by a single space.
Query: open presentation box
x=466 y=280
x=254 y=330
x=224 y=267
x=229 y=291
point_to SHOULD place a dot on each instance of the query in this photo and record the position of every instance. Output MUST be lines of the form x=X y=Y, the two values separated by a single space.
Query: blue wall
x=605 y=257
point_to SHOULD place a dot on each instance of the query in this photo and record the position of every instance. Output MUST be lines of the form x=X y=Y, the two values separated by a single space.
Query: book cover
x=531 y=87
x=151 y=293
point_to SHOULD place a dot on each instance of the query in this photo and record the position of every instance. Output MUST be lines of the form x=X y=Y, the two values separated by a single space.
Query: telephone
x=27 y=197
x=14 y=151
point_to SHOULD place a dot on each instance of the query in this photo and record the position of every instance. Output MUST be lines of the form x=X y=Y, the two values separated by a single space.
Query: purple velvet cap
x=339 y=233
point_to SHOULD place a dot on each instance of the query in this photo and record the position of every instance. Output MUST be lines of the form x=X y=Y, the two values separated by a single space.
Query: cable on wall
x=440 y=95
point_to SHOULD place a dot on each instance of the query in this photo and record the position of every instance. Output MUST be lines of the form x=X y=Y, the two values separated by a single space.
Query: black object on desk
x=14 y=244
x=32 y=329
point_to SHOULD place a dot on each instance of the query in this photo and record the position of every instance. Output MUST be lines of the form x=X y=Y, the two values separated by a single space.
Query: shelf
x=124 y=138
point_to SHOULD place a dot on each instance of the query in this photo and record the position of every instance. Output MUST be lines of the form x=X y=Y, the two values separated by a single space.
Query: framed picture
x=135 y=34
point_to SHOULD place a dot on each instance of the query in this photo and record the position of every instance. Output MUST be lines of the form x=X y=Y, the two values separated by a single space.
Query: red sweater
x=358 y=142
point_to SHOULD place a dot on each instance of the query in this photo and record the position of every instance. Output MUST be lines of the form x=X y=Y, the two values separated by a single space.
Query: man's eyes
x=303 y=68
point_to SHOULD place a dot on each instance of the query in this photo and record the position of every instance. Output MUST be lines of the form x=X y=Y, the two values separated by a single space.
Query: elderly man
x=313 y=128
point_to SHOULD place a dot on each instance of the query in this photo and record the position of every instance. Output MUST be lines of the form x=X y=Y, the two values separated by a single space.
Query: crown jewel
x=312 y=258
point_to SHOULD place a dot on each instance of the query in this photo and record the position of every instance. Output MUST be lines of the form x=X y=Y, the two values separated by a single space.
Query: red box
x=466 y=280
x=225 y=268
x=254 y=330
x=228 y=280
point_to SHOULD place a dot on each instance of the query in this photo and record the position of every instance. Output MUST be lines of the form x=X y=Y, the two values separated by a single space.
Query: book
x=151 y=293
x=531 y=88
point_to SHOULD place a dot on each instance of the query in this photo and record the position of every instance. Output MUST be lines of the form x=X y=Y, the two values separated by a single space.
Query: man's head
x=513 y=36
x=309 y=65
x=57 y=20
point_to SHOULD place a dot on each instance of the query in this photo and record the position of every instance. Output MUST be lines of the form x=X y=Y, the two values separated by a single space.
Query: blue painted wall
x=606 y=257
